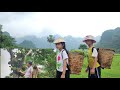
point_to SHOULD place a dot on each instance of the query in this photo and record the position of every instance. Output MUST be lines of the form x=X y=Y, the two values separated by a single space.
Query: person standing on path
x=93 y=69
x=62 y=59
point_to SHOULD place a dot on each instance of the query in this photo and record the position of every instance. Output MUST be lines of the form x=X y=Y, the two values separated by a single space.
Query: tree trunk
x=11 y=54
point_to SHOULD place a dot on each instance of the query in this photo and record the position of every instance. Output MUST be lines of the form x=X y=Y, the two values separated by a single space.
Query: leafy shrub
x=78 y=51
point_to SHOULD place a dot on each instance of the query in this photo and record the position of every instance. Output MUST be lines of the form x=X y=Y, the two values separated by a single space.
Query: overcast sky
x=78 y=24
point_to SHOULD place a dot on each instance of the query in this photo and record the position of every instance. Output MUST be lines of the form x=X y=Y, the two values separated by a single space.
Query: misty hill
x=39 y=42
x=27 y=44
x=71 y=42
x=6 y=33
x=110 y=39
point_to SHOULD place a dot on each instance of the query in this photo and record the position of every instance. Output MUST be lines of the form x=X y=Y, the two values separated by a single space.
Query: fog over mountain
x=41 y=42
x=76 y=24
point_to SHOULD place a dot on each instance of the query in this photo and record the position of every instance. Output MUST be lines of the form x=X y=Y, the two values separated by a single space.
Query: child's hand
x=92 y=71
x=63 y=76
x=86 y=70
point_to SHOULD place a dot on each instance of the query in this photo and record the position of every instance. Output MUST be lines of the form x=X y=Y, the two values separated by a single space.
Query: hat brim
x=89 y=39
x=58 y=42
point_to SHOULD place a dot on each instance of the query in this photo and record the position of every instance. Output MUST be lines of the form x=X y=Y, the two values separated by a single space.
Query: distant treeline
x=109 y=39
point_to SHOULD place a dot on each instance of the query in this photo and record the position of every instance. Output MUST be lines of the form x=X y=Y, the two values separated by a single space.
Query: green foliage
x=82 y=46
x=45 y=57
x=6 y=41
x=78 y=51
x=16 y=63
x=110 y=39
x=50 y=66
x=7 y=77
x=0 y=27
x=6 y=33
x=50 y=38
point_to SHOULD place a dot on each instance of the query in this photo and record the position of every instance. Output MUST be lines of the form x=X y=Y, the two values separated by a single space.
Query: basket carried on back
x=76 y=62
x=105 y=57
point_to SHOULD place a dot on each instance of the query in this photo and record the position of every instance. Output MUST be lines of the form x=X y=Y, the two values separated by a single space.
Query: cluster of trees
x=83 y=47
x=45 y=57
x=6 y=41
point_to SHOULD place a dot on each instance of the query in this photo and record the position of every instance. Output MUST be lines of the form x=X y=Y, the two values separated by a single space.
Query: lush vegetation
x=6 y=41
x=83 y=47
x=110 y=39
x=114 y=72
x=50 y=39
x=46 y=57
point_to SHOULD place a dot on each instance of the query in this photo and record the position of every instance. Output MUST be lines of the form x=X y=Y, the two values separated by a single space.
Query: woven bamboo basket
x=76 y=62
x=105 y=57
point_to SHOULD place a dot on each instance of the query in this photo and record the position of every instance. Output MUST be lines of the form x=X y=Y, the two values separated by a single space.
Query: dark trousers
x=97 y=73
x=67 y=74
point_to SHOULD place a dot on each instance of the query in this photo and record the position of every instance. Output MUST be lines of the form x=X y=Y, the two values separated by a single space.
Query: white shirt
x=28 y=72
x=95 y=53
x=61 y=59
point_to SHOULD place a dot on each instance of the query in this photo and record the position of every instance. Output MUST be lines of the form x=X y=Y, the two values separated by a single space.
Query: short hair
x=35 y=67
x=30 y=62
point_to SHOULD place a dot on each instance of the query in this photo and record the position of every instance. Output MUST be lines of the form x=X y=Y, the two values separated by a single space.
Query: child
x=35 y=72
x=93 y=66
x=29 y=71
x=62 y=59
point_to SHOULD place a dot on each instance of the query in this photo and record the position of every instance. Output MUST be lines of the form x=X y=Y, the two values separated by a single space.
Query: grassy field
x=114 y=72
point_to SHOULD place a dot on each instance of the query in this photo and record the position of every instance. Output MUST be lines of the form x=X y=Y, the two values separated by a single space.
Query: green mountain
x=71 y=42
x=27 y=44
x=110 y=39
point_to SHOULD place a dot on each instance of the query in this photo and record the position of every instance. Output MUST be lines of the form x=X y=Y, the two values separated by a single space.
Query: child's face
x=28 y=64
x=89 y=42
x=59 y=46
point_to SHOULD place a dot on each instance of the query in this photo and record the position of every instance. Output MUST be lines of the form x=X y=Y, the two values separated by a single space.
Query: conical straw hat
x=59 y=40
